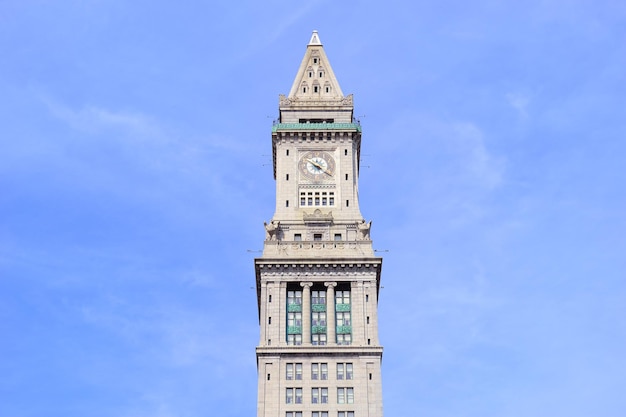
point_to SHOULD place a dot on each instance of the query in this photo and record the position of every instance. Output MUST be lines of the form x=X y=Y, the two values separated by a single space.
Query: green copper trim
x=342 y=307
x=316 y=126
x=318 y=329
x=294 y=308
x=318 y=307
x=294 y=330
x=344 y=329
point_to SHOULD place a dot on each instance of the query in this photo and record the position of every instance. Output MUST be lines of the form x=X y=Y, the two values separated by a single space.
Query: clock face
x=317 y=165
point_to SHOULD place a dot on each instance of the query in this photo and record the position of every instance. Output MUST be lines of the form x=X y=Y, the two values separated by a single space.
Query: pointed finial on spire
x=315 y=39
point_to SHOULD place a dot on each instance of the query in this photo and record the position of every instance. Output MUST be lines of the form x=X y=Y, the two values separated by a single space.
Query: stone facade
x=318 y=279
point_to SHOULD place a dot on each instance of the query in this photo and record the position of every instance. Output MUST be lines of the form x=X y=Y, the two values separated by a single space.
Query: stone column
x=306 y=312
x=331 y=325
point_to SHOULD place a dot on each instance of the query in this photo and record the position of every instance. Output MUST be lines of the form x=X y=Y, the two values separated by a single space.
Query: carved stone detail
x=318 y=216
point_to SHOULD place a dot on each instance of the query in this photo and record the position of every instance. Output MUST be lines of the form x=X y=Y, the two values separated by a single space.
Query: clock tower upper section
x=316 y=145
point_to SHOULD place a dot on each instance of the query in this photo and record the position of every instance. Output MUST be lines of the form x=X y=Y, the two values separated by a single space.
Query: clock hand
x=320 y=167
x=312 y=162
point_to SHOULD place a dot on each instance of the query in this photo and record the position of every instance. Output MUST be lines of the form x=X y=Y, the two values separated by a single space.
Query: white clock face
x=317 y=165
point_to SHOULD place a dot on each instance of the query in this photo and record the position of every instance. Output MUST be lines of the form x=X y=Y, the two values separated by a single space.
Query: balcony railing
x=316 y=126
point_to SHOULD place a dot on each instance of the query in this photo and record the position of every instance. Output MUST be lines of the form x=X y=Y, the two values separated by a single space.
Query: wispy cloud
x=94 y=119
x=476 y=160
x=520 y=102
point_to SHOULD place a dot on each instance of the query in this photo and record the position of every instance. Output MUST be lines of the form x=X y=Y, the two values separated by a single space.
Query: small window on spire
x=315 y=60
x=315 y=88
x=321 y=74
x=328 y=89
x=304 y=89
x=310 y=74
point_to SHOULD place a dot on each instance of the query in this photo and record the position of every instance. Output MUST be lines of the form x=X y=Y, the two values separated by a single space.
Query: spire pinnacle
x=315 y=39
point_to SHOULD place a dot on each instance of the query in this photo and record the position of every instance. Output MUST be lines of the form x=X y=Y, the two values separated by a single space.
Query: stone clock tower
x=318 y=279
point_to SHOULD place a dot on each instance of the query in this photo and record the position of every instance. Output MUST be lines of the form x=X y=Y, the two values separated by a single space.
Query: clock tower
x=318 y=279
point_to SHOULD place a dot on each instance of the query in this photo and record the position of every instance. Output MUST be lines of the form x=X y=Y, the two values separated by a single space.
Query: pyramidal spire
x=315 y=80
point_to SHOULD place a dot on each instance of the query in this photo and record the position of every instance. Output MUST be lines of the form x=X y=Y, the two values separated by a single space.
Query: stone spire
x=315 y=80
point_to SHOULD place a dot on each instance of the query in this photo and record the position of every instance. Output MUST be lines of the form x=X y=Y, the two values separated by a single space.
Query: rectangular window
x=295 y=339
x=317 y=236
x=345 y=371
x=293 y=371
x=299 y=395
x=287 y=203
x=318 y=198
x=318 y=339
x=294 y=320
x=319 y=371
x=318 y=297
x=297 y=237
x=293 y=414
x=343 y=319
x=337 y=237
x=294 y=297
x=318 y=318
x=287 y=177
x=345 y=414
x=319 y=414
x=315 y=395
x=324 y=395
x=289 y=396
x=345 y=395
x=344 y=339
x=342 y=297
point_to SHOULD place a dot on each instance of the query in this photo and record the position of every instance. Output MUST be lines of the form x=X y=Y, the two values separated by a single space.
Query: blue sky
x=135 y=176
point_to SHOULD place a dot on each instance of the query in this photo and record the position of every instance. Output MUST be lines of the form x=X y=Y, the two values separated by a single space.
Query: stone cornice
x=330 y=350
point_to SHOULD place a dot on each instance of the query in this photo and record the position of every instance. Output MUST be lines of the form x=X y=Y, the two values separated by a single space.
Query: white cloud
x=520 y=102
